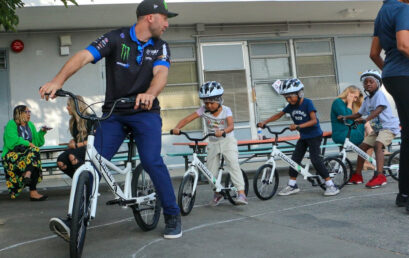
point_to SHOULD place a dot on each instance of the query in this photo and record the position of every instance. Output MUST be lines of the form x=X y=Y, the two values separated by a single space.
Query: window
x=224 y=62
x=316 y=69
x=3 y=59
x=180 y=98
x=269 y=61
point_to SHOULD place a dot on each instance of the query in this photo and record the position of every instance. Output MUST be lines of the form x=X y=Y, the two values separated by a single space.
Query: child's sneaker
x=241 y=200
x=355 y=179
x=377 y=181
x=217 y=199
x=331 y=190
x=288 y=190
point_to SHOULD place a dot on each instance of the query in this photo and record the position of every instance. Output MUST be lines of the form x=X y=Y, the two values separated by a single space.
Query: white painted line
x=258 y=215
x=203 y=225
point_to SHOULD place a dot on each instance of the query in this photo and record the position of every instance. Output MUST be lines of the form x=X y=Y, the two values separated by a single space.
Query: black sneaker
x=173 y=227
x=401 y=201
x=61 y=227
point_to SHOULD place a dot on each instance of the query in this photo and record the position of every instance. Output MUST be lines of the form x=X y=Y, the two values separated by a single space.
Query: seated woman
x=347 y=103
x=74 y=157
x=21 y=154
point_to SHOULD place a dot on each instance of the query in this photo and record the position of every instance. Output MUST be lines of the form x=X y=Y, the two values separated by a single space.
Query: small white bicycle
x=266 y=178
x=393 y=161
x=187 y=189
x=138 y=194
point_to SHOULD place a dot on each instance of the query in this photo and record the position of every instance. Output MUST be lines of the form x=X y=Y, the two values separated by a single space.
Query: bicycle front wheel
x=393 y=165
x=147 y=213
x=263 y=188
x=337 y=171
x=232 y=195
x=186 y=196
x=80 y=214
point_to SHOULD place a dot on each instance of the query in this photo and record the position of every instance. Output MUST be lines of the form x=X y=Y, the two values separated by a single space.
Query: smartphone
x=46 y=127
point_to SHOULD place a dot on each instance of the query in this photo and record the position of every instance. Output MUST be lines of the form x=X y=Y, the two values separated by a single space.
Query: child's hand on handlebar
x=340 y=117
x=176 y=131
x=293 y=127
x=360 y=120
x=218 y=133
x=261 y=124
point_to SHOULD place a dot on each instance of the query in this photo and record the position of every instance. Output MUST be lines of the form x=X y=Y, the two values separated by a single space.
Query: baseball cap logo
x=164 y=4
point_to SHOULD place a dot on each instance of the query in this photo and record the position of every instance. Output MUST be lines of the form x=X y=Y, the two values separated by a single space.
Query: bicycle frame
x=94 y=162
x=215 y=182
x=276 y=153
x=348 y=145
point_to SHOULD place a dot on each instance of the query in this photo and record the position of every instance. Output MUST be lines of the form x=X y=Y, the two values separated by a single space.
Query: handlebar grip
x=259 y=125
x=61 y=93
x=171 y=131
x=224 y=134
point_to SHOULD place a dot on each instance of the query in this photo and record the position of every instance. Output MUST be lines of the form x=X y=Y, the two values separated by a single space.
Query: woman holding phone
x=21 y=154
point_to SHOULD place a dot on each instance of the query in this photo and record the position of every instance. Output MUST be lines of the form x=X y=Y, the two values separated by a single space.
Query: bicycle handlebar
x=198 y=139
x=354 y=124
x=63 y=93
x=276 y=133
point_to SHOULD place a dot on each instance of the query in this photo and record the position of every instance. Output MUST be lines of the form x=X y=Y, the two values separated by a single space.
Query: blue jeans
x=146 y=128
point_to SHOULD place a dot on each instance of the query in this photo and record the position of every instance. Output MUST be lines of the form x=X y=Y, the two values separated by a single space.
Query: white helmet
x=291 y=86
x=210 y=89
x=373 y=73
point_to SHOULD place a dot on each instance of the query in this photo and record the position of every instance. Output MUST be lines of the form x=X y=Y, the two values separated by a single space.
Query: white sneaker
x=331 y=190
x=288 y=190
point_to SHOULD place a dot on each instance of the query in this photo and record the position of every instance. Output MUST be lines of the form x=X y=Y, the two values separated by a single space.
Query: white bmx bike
x=392 y=165
x=187 y=189
x=266 y=178
x=138 y=191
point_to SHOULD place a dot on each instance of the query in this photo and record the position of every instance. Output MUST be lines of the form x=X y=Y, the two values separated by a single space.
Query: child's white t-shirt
x=386 y=119
x=212 y=122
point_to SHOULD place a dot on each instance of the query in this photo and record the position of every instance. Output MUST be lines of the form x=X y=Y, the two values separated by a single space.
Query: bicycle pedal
x=112 y=202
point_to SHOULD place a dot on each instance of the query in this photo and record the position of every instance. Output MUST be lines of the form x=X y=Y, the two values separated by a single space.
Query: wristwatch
x=297 y=128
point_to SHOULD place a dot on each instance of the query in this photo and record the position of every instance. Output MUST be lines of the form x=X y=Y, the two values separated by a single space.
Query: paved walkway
x=357 y=223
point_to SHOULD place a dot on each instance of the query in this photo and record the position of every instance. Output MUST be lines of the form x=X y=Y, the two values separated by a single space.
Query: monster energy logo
x=164 y=3
x=125 y=52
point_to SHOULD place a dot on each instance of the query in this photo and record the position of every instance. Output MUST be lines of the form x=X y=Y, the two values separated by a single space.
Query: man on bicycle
x=137 y=63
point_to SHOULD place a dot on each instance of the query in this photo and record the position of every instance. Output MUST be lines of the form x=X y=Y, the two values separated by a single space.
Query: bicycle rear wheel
x=146 y=214
x=337 y=171
x=186 y=196
x=263 y=188
x=393 y=165
x=231 y=195
x=80 y=214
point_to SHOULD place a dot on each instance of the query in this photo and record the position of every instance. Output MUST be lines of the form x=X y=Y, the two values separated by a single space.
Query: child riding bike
x=384 y=124
x=218 y=119
x=303 y=114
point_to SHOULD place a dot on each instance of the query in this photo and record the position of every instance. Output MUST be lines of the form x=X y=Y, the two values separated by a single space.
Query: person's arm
x=184 y=122
x=402 y=39
x=313 y=121
x=228 y=129
x=75 y=63
x=375 y=53
x=11 y=138
x=373 y=114
x=160 y=78
x=271 y=119
x=353 y=116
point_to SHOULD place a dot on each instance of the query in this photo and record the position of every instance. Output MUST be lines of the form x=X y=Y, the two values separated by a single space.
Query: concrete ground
x=359 y=222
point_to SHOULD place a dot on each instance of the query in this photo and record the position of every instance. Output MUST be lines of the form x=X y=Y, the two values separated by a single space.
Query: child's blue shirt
x=301 y=114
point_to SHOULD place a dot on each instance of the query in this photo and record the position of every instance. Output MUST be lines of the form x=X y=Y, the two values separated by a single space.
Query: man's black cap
x=154 y=6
